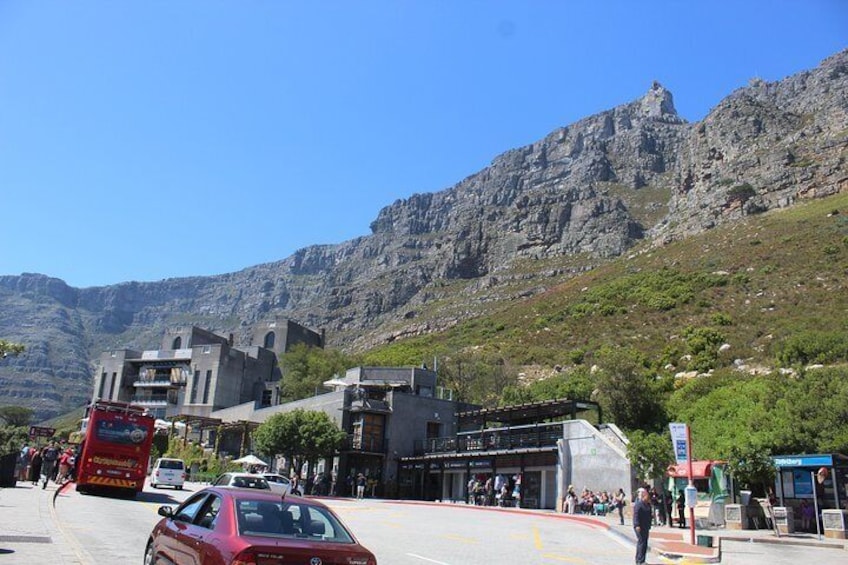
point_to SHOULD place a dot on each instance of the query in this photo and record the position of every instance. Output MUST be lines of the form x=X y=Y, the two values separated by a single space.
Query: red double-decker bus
x=116 y=448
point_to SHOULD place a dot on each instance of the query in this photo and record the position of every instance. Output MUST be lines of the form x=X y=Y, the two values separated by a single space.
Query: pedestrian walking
x=620 y=503
x=35 y=467
x=642 y=523
x=681 y=510
x=49 y=457
x=360 y=485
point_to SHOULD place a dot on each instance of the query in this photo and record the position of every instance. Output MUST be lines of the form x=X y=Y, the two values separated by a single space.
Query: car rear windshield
x=171 y=464
x=289 y=520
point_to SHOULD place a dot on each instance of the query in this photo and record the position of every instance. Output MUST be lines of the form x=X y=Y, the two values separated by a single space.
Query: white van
x=170 y=472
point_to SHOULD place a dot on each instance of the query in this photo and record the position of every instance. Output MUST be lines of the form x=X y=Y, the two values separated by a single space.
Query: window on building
x=102 y=384
x=207 y=349
x=195 y=381
x=434 y=430
x=368 y=432
x=270 y=338
x=206 y=386
x=178 y=341
x=112 y=386
x=266 y=398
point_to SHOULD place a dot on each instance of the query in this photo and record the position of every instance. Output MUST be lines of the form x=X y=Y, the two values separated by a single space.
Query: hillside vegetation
x=719 y=330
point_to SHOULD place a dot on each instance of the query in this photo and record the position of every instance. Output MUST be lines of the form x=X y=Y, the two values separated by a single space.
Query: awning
x=700 y=469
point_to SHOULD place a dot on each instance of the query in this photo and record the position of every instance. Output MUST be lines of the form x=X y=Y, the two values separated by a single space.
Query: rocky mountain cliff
x=637 y=174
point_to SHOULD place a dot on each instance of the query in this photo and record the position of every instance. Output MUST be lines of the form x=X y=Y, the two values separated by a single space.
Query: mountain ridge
x=537 y=215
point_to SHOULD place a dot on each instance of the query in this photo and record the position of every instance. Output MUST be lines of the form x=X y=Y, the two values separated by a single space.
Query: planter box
x=736 y=517
x=834 y=522
x=784 y=517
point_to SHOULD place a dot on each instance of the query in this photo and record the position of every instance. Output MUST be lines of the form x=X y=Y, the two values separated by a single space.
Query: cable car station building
x=542 y=447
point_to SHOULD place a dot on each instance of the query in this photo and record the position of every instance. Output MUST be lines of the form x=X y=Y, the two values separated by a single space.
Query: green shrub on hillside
x=813 y=346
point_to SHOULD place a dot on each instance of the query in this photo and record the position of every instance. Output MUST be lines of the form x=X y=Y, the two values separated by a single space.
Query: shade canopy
x=250 y=460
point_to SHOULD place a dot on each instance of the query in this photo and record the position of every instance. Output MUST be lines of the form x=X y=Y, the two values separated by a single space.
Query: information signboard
x=679 y=442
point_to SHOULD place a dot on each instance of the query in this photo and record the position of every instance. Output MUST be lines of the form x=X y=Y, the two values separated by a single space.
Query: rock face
x=590 y=190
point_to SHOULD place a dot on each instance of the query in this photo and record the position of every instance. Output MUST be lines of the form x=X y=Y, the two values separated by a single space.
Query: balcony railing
x=513 y=437
x=149 y=383
x=150 y=399
x=365 y=444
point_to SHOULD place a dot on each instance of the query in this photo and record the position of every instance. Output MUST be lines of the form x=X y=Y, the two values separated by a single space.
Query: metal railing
x=150 y=399
x=494 y=439
x=366 y=444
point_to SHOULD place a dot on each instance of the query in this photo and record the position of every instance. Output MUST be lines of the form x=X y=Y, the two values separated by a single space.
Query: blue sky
x=156 y=139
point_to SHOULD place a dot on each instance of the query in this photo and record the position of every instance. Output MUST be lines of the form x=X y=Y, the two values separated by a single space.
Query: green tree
x=12 y=439
x=751 y=466
x=728 y=409
x=650 y=454
x=477 y=377
x=575 y=384
x=16 y=415
x=8 y=348
x=306 y=368
x=810 y=414
x=626 y=392
x=300 y=436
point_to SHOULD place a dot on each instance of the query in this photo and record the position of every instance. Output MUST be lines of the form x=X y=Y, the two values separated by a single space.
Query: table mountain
x=538 y=214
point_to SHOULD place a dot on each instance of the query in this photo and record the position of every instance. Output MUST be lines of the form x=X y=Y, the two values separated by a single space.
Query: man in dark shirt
x=642 y=523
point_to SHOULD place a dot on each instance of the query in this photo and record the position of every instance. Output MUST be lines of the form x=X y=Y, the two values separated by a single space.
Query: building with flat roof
x=385 y=412
x=196 y=372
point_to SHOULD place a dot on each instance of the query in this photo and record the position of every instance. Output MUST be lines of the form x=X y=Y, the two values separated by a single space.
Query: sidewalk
x=29 y=530
x=669 y=544
x=673 y=544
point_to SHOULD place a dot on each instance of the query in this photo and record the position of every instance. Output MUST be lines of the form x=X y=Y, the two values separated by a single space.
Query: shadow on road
x=156 y=498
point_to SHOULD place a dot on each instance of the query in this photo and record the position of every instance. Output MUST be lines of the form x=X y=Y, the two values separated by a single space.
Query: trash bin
x=7 y=470
x=705 y=541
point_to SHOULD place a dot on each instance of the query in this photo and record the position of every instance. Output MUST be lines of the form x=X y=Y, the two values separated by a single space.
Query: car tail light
x=183 y=475
x=156 y=473
x=246 y=557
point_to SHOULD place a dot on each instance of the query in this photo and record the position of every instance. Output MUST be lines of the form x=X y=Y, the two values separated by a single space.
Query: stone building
x=385 y=411
x=195 y=371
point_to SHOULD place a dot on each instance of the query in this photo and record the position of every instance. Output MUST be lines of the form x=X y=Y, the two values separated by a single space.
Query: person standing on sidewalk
x=620 y=502
x=50 y=457
x=642 y=523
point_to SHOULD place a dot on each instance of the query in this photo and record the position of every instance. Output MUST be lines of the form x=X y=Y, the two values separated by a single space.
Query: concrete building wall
x=286 y=333
x=112 y=375
x=587 y=459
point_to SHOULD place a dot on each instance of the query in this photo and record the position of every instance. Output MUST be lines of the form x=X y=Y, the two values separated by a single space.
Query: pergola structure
x=202 y=423
x=527 y=413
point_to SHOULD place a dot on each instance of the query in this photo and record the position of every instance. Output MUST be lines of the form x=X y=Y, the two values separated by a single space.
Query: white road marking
x=427 y=559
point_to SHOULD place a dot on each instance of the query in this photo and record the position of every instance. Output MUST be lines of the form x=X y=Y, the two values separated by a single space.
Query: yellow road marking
x=537 y=538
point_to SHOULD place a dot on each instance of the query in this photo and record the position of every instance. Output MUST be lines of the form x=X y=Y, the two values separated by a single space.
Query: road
x=108 y=530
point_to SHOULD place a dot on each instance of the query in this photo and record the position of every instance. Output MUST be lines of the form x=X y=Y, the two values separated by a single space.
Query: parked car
x=170 y=472
x=241 y=480
x=225 y=525
x=278 y=483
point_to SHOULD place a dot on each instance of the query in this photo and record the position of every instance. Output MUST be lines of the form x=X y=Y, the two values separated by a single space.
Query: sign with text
x=679 y=441
x=39 y=431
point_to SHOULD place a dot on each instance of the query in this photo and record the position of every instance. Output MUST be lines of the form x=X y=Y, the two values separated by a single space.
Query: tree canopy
x=299 y=435
x=9 y=348
x=306 y=368
x=16 y=415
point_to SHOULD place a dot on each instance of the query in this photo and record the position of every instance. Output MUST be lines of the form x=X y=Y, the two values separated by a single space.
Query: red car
x=233 y=526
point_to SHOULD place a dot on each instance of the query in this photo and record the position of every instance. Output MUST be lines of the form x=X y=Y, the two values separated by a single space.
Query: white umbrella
x=336 y=382
x=251 y=460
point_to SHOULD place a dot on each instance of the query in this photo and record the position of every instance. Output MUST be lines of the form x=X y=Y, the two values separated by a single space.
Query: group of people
x=55 y=461
x=499 y=490
x=594 y=503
